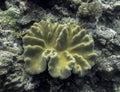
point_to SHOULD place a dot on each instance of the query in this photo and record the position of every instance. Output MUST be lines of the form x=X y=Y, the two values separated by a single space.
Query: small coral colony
x=63 y=49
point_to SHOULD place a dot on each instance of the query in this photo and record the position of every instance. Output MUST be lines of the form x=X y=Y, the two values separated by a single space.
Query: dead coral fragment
x=63 y=48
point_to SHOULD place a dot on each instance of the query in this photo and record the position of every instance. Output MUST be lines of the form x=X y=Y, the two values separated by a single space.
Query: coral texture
x=12 y=75
x=63 y=48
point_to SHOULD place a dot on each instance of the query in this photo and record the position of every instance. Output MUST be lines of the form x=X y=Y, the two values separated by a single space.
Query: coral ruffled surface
x=63 y=48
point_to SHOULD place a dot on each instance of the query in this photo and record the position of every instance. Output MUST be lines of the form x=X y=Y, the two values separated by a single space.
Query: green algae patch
x=92 y=9
x=8 y=18
x=63 y=49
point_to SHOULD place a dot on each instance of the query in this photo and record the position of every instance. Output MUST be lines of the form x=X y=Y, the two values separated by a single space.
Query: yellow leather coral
x=61 y=48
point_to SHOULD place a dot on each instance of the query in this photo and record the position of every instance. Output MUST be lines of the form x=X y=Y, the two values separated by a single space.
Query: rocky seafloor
x=101 y=18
